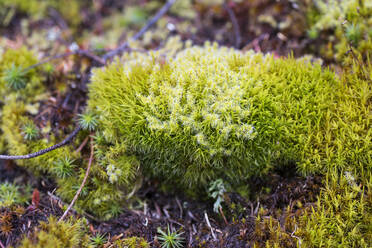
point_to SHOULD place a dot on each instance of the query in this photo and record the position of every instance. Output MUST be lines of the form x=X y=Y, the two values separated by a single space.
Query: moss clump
x=15 y=75
x=11 y=194
x=131 y=242
x=214 y=113
x=64 y=234
x=347 y=21
x=17 y=99
x=342 y=215
x=39 y=8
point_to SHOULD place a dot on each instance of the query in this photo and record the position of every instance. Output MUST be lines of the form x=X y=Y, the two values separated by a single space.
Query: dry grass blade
x=82 y=183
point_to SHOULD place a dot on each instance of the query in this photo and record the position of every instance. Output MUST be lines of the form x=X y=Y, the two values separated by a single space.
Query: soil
x=177 y=212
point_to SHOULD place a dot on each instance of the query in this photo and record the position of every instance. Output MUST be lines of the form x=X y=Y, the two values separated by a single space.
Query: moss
x=213 y=113
x=131 y=242
x=346 y=23
x=11 y=194
x=103 y=195
x=270 y=232
x=39 y=9
x=20 y=59
x=199 y=115
x=15 y=100
x=66 y=234
x=342 y=215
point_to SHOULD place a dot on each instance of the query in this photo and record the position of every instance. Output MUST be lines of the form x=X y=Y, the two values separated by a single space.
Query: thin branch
x=43 y=151
x=49 y=59
x=90 y=55
x=234 y=21
x=223 y=216
x=82 y=183
x=143 y=30
x=80 y=52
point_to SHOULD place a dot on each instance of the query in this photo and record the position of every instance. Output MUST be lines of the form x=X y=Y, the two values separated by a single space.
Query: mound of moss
x=70 y=233
x=212 y=113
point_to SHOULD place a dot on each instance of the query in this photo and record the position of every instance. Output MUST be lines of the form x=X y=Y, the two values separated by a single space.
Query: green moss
x=213 y=113
x=11 y=194
x=18 y=99
x=199 y=115
x=131 y=242
x=39 y=9
x=103 y=194
x=17 y=61
x=345 y=23
x=64 y=234
x=342 y=215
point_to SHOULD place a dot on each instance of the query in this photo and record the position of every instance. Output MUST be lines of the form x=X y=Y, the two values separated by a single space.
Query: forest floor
x=278 y=196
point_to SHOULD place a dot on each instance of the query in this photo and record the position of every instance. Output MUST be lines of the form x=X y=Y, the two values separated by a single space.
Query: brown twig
x=151 y=22
x=82 y=183
x=223 y=216
x=90 y=55
x=82 y=145
x=80 y=52
x=49 y=59
x=234 y=21
x=43 y=151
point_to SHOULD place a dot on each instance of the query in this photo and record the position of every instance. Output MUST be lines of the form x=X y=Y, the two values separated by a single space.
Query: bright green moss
x=64 y=234
x=214 y=113
x=15 y=75
x=342 y=215
x=22 y=99
x=11 y=194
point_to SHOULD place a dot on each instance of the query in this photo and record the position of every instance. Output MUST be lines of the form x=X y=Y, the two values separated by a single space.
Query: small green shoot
x=64 y=167
x=10 y=195
x=30 y=131
x=353 y=33
x=88 y=121
x=170 y=239
x=98 y=240
x=15 y=77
